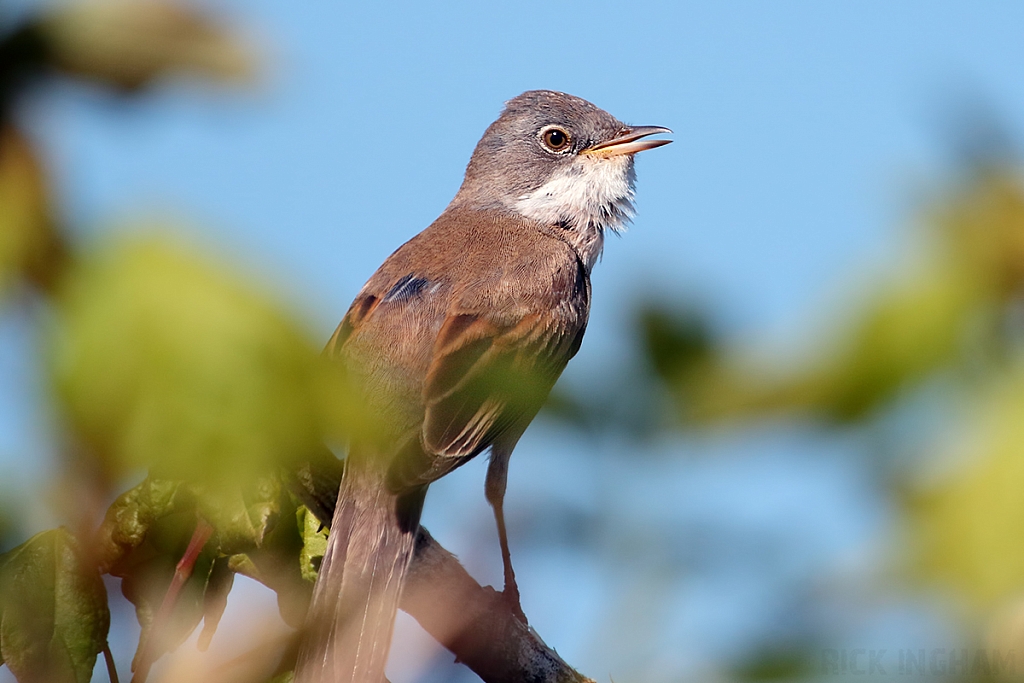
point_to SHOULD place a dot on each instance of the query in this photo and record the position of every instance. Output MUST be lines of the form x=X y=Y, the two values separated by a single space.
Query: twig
x=477 y=623
x=108 y=657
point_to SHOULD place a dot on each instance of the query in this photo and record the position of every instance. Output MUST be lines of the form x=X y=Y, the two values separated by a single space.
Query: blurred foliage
x=674 y=341
x=29 y=245
x=944 y=311
x=951 y=317
x=967 y=521
x=160 y=360
x=163 y=361
x=775 y=665
x=121 y=44
x=8 y=527
x=129 y=43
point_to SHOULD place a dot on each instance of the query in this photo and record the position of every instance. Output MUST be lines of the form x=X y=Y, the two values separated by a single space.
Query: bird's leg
x=497 y=477
x=511 y=590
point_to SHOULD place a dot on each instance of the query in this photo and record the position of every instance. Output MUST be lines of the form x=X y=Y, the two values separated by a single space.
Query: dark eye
x=556 y=139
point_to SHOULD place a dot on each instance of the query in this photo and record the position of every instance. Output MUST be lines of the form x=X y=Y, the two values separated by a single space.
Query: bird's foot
x=511 y=598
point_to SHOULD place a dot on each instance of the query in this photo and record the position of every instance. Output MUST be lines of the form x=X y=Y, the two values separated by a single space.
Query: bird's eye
x=556 y=139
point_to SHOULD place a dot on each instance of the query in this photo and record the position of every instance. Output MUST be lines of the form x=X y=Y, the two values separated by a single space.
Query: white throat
x=585 y=199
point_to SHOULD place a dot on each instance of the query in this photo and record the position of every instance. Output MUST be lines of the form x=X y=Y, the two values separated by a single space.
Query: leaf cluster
x=160 y=361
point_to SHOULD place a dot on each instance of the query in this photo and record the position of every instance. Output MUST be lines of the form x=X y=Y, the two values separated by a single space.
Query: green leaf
x=243 y=517
x=314 y=544
x=128 y=520
x=277 y=566
x=53 y=610
x=216 y=599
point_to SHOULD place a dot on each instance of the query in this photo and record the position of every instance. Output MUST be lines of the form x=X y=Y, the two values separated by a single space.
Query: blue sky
x=801 y=132
x=805 y=133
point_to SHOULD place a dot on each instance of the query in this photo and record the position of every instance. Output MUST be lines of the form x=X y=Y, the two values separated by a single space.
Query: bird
x=455 y=343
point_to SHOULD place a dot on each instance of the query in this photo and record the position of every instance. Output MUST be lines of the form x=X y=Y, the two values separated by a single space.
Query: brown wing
x=485 y=379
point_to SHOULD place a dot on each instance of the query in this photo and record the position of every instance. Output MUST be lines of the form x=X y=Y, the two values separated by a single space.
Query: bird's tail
x=355 y=599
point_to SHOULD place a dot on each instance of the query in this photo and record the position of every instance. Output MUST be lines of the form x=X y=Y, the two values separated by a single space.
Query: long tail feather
x=356 y=596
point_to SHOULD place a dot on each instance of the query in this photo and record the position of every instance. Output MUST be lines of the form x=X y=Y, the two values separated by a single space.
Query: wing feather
x=484 y=379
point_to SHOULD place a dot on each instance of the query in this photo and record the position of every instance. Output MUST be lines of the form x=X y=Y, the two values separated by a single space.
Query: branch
x=474 y=622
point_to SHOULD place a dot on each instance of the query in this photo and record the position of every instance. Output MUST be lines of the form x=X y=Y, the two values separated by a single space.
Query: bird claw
x=510 y=596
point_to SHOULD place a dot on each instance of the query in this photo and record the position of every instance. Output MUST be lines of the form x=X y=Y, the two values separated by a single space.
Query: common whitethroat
x=455 y=343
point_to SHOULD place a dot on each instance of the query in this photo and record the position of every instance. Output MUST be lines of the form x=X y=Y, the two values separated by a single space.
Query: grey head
x=561 y=161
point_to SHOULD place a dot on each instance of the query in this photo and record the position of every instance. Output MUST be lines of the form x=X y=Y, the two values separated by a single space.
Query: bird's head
x=559 y=160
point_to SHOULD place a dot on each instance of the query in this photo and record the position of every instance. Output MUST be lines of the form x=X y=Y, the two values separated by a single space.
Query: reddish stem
x=182 y=573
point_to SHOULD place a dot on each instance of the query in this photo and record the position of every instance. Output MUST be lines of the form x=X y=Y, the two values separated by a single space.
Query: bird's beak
x=628 y=141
